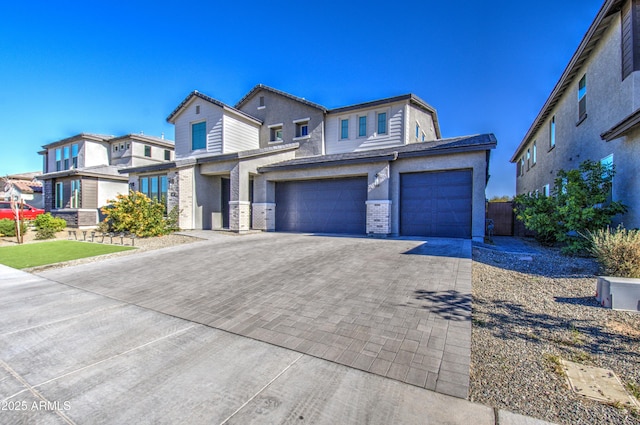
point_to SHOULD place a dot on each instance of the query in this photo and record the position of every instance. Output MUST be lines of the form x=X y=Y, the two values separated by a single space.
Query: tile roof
x=209 y=99
x=259 y=87
x=436 y=147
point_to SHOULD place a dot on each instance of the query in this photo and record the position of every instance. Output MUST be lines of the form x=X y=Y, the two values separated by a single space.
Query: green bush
x=47 y=226
x=137 y=213
x=8 y=227
x=618 y=251
x=580 y=203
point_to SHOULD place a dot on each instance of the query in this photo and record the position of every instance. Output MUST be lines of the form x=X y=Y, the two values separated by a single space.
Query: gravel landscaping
x=530 y=311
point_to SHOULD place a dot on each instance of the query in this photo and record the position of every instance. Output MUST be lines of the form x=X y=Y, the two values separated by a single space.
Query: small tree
x=580 y=203
x=136 y=213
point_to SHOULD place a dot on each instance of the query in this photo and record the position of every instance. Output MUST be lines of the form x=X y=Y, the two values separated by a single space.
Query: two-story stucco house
x=278 y=162
x=81 y=173
x=593 y=111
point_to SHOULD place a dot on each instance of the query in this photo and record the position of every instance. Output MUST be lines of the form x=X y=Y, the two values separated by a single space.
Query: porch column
x=239 y=205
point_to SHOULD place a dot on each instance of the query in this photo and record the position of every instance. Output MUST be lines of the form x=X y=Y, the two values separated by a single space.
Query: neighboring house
x=26 y=187
x=593 y=112
x=81 y=173
x=277 y=162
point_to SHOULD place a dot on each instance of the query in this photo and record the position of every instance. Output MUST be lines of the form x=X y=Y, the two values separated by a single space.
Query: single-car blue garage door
x=436 y=204
x=322 y=206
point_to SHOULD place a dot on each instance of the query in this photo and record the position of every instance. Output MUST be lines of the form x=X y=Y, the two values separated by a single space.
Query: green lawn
x=41 y=253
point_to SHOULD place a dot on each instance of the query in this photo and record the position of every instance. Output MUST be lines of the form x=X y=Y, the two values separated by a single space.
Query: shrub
x=47 y=226
x=136 y=213
x=580 y=203
x=618 y=251
x=8 y=227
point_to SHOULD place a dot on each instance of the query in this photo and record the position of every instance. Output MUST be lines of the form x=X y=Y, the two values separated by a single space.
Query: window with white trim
x=275 y=133
x=382 y=122
x=362 y=126
x=344 y=128
x=534 y=154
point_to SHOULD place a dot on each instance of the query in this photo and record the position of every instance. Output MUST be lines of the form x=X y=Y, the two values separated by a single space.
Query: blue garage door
x=322 y=206
x=436 y=204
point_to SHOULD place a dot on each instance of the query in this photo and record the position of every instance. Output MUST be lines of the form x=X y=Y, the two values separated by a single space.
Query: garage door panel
x=322 y=206
x=436 y=204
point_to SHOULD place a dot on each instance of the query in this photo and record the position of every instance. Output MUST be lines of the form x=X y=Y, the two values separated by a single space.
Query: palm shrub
x=136 y=213
x=617 y=251
x=47 y=226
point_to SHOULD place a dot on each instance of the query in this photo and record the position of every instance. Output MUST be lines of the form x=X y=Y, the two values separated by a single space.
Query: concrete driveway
x=395 y=308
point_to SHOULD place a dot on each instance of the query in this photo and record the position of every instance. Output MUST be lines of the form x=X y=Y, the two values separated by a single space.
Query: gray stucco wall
x=279 y=109
x=609 y=100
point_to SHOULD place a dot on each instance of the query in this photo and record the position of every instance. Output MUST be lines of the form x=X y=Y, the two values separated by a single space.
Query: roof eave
x=575 y=64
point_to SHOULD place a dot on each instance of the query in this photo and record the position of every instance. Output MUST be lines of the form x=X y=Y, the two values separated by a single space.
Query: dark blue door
x=322 y=206
x=436 y=204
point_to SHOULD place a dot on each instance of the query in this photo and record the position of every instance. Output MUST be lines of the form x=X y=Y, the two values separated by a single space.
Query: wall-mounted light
x=376 y=182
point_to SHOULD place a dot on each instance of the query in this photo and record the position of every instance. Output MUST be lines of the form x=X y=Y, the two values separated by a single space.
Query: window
x=582 y=98
x=59 y=195
x=522 y=166
x=302 y=128
x=528 y=158
x=344 y=129
x=276 y=133
x=67 y=157
x=58 y=159
x=121 y=146
x=424 y=137
x=382 y=123
x=552 y=133
x=155 y=187
x=74 y=155
x=417 y=131
x=147 y=151
x=362 y=126
x=115 y=148
x=197 y=109
x=167 y=155
x=198 y=135
x=76 y=200
x=534 y=155
x=128 y=145
x=545 y=190
x=261 y=104
x=607 y=163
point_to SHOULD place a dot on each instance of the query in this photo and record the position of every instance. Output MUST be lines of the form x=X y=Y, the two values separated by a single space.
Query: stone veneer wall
x=264 y=216
x=184 y=182
x=239 y=216
x=379 y=217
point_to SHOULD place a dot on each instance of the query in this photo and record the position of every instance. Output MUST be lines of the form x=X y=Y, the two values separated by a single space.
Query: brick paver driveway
x=396 y=308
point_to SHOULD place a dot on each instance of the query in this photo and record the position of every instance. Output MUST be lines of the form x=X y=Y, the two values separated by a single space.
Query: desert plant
x=617 y=251
x=47 y=226
x=8 y=227
x=136 y=213
x=580 y=202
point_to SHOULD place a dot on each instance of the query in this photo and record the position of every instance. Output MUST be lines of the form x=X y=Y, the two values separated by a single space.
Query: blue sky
x=116 y=67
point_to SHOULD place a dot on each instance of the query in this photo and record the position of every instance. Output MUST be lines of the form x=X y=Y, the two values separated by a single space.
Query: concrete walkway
x=68 y=356
x=396 y=308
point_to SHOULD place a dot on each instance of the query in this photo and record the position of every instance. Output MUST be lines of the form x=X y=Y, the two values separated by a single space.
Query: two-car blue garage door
x=322 y=206
x=431 y=204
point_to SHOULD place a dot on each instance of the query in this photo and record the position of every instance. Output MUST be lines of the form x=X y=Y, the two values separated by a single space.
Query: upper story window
x=582 y=98
x=522 y=166
x=344 y=129
x=545 y=190
x=534 y=153
x=552 y=132
x=276 y=133
x=417 y=131
x=167 y=155
x=362 y=126
x=115 y=148
x=58 y=159
x=74 y=155
x=261 y=102
x=67 y=157
x=382 y=123
x=302 y=127
x=197 y=109
x=147 y=151
x=424 y=137
x=199 y=135
x=528 y=158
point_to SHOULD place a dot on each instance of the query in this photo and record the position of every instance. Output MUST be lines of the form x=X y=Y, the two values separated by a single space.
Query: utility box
x=618 y=293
